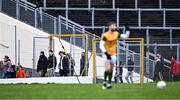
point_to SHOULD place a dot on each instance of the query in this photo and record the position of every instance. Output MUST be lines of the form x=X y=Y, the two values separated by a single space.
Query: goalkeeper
x=108 y=48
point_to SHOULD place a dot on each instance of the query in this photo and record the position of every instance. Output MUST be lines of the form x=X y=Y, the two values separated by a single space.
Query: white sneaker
x=104 y=85
x=109 y=86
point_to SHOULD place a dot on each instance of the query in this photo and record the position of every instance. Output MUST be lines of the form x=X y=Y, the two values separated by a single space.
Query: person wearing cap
x=130 y=70
x=42 y=64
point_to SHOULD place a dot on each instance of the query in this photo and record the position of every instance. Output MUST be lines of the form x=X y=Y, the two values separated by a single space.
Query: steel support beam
x=117 y=17
x=139 y=17
x=92 y=18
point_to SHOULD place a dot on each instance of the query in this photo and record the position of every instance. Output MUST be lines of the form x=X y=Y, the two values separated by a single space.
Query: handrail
x=142 y=27
x=29 y=3
x=111 y=9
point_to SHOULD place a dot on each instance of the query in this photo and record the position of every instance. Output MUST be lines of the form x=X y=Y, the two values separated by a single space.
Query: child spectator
x=21 y=73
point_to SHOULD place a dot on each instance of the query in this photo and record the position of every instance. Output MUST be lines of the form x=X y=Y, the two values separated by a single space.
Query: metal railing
x=28 y=13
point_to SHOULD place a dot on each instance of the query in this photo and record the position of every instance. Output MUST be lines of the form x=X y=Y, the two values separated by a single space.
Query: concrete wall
x=25 y=34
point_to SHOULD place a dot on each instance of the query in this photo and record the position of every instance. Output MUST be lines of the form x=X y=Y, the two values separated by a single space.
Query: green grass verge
x=89 y=91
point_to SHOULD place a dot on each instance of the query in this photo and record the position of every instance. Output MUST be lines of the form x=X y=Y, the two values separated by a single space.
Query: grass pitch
x=89 y=91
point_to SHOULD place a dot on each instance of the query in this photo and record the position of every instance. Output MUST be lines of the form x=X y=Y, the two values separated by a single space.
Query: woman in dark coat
x=42 y=64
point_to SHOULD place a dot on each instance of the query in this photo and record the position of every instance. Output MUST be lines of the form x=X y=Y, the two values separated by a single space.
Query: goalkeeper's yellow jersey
x=110 y=42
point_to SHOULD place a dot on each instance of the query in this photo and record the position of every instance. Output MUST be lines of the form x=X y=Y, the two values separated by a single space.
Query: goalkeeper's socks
x=105 y=75
x=110 y=77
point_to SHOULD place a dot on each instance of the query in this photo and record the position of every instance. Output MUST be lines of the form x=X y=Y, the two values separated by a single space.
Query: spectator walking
x=63 y=64
x=158 y=72
x=82 y=64
x=42 y=64
x=52 y=62
x=130 y=70
x=175 y=69
x=6 y=67
x=21 y=72
x=119 y=72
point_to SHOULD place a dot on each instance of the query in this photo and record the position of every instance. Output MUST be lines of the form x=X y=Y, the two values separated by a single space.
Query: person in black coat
x=82 y=64
x=63 y=64
x=51 y=63
x=158 y=68
x=42 y=64
x=130 y=70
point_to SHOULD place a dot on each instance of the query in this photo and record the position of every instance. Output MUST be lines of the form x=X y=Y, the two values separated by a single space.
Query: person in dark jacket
x=175 y=69
x=51 y=63
x=42 y=64
x=12 y=72
x=82 y=64
x=158 y=72
x=63 y=64
x=130 y=70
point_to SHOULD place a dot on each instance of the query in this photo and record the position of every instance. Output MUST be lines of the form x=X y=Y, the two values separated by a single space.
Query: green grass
x=89 y=91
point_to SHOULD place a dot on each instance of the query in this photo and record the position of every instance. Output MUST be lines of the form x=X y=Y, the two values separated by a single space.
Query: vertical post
x=160 y=4
x=59 y=21
x=118 y=53
x=170 y=37
x=147 y=37
x=89 y=4
x=17 y=10
x=19 y=52
x=92 y=18
x=103 y=29
x=25 y=1
x=44 y=3
x=34 y=55
x=83 y=38
x=66 y=13
x=15 y=45
x=155 y=48
x=147 y=53
x=67 y=5
x=0 y=5
x=113 y=4
x=86 y=50
x=41 y=18
x=55 y=25
x=66 y=19
x=127 y=53
x=178 y=52
x=142 y=61
x=164 y=17
x=50 y=43
x=35 y=18
x=136 y=4
x=139 y=17
x=117 y=18
x=72 y=54
x=94 y=60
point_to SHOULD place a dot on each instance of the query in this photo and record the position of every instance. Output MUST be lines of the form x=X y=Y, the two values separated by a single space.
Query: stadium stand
x=157 y=21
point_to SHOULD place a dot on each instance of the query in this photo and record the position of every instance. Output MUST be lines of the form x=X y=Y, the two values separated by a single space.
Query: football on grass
x=161 y=85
